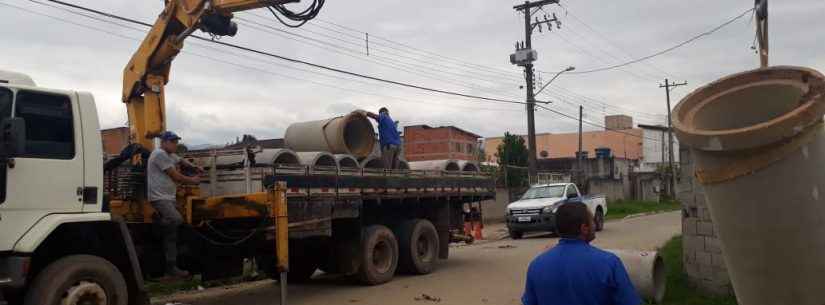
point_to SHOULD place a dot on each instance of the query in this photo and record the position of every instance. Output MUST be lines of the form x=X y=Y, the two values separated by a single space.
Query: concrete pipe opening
x=372 y=163
x=347 y=161
x=277 y=157
x=647 y=272
x=469 y=167
x=317 y=158
x=403 y=164
x=755 y=139
x=435 y=165
x=350 y=134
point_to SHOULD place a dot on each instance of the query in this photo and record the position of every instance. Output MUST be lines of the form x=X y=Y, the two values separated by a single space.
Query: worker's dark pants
x=169 y=221
x=389 y=153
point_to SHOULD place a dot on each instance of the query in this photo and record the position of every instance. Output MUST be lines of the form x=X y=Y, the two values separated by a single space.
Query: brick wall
x=423 y=143
x=702 y=258
x=114 y=140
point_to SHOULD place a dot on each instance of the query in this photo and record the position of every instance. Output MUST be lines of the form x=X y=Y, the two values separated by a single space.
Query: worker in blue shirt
x=574 y=272
x=388 y=137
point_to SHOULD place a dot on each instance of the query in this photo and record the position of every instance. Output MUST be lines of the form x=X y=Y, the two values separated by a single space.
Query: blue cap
x=168 y=136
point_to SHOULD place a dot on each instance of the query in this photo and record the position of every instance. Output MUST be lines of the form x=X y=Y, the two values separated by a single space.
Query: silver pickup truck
x=535 y=211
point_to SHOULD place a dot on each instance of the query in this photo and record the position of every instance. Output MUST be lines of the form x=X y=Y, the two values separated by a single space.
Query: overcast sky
x=216 y=94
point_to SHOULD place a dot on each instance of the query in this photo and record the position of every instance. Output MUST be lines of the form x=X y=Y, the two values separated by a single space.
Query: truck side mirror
x=12 y=137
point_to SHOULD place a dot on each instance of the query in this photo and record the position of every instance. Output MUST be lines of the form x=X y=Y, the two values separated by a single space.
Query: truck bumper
x=13 y=271
x=532 y=223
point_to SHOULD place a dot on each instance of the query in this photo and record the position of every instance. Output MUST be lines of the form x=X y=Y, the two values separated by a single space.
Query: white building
x=655 y=148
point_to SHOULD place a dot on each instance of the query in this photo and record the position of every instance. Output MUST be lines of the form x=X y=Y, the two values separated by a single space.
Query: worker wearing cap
x=388 y=137
x=574 y=272
x=162 y=175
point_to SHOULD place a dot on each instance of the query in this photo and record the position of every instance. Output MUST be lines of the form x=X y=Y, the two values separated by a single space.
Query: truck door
x=47 y=177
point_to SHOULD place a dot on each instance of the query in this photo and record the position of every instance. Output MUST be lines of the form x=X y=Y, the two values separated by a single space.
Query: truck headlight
x=547 y=209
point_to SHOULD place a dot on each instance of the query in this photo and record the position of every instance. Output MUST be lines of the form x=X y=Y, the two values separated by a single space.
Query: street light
x=570 y=68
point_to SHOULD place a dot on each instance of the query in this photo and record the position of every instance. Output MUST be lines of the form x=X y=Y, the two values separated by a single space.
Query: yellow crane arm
x=147 y=73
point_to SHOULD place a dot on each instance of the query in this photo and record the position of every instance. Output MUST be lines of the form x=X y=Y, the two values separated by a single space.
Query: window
x=49 y=128
x=469 y=148
x=572 y=192
x=458 y=147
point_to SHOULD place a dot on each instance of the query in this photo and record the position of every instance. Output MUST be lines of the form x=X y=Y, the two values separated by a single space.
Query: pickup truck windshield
x=544 y=192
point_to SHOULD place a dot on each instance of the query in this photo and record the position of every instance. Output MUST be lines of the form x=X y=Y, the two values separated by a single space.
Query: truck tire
x=379 y=255
x=418 y=246
x=598 y=219
x=516 y=234
x=76 y=280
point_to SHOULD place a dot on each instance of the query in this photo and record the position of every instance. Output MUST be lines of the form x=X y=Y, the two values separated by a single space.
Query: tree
x=512 y=158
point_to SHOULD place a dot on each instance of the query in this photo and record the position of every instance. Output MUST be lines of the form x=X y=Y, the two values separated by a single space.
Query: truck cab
x=535 y=211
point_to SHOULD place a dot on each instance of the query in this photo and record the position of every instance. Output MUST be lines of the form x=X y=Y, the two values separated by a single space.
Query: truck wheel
x=78 y=280
x=516 y=234
x=418 y=245
x=598 y=219
x=379 y=255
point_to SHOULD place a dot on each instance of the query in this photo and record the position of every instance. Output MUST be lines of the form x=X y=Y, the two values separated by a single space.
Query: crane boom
x=147 y=73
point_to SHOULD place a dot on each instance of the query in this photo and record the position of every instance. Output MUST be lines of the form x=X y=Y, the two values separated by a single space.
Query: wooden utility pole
x=526 y=9
x=579 y=153
x=761 y=8
x=671 y=169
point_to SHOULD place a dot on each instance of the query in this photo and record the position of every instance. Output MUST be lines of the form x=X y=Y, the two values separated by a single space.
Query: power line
x=681 y=44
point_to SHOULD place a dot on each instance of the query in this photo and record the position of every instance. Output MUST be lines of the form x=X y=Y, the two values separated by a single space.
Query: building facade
x=655 y=149
x=114 y=140
x=627 y=144
x=422 y=142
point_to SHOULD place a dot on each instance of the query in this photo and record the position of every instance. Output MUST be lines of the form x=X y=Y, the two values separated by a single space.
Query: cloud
x=461 y=46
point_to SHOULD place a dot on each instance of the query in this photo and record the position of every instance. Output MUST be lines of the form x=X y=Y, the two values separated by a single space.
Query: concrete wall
x=703 y=259
x=493 y=210
x=612 y=189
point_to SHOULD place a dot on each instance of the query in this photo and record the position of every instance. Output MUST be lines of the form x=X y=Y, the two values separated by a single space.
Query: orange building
x=422 y=142
x=114 y=140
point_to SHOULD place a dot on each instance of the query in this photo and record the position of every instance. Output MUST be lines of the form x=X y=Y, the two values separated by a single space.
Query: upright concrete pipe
x=347 y=161
x=439 y=165
x=647 y=272
x=758 y=142
x=350 y=134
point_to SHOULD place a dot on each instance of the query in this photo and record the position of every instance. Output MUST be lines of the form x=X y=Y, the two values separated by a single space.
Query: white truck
x=535 y=211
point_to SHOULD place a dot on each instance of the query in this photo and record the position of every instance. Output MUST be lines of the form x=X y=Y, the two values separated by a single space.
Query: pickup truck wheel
x=599 y=220
x=78 y=280
x=516 y=234
x=418 y=245
x=379 y=255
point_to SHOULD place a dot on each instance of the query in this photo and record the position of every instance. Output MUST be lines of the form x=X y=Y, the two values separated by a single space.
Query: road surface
x=487 y=273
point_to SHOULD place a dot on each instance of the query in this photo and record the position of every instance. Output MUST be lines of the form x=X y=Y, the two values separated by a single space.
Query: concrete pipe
x=347 y=161
x=317 y=158
x=647 y=272
x=758 y=142
x=403 y=165
x=467 y=166
x=436 y=165
x=278 y=156
x=372 y=162
x=350 y=134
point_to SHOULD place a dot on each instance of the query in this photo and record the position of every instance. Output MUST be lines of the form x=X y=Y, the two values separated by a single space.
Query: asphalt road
x=488 y=273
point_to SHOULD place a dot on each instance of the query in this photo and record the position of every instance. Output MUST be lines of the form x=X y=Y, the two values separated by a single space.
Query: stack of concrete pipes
x=445 y=165
x=758 y=143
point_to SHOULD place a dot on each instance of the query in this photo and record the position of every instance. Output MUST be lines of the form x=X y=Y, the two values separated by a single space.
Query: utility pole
x=579 y=154
x=524 y=56
x=671 y=170
x=761 y=9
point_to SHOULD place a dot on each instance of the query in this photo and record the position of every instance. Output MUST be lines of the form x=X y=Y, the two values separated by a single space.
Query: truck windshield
x=544 y=192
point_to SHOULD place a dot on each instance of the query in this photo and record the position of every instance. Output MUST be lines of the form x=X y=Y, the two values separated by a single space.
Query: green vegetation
x=622 y=208
x=512 y=154
x=679 y=291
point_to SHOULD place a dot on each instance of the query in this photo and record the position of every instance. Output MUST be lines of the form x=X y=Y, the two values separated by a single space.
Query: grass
x=621 y=209
x=679 y=291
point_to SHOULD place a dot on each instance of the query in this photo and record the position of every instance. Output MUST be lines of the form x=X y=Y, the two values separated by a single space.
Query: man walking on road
x=162 y=174
x=574 y=272
x=388 y=137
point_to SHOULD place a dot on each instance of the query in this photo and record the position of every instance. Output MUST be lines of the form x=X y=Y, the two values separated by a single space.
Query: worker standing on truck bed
x=388 y=137
x=574 y=272
x=162 y=174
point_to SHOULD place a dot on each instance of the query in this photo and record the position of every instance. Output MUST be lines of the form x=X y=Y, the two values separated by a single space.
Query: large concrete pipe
x=317 y=158
x=758 y=144
x=263 y=157
x=437 y=165
x=403 y=165
x=647 y=272
x=350 y=134
x=372 y=162
x=347 y=161
x=467 y=166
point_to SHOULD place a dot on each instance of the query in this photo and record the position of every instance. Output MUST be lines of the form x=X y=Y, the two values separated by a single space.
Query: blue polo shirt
x=576 y=273
x=387 y=132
